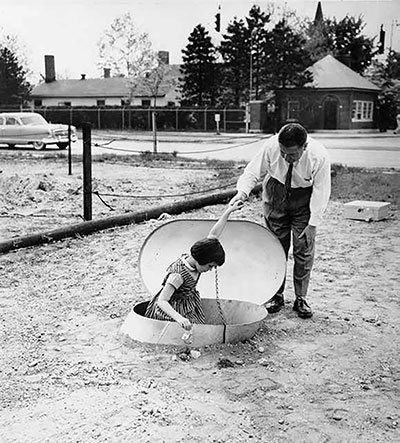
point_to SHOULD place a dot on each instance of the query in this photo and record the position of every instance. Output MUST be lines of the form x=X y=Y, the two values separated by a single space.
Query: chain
x=221 y=312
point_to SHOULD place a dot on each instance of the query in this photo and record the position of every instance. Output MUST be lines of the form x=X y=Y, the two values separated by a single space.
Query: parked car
x=29 y=128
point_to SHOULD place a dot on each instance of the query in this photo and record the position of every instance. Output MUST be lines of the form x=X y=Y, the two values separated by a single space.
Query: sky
x=71 y=29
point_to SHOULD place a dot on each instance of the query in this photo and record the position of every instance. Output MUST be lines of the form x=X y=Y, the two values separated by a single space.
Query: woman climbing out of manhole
x=178 y=299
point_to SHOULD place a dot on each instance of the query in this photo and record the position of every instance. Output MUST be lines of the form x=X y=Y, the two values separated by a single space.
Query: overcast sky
x=70 y=29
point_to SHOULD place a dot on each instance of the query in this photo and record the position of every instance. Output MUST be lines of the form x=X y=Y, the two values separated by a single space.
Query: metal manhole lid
x=253 y=270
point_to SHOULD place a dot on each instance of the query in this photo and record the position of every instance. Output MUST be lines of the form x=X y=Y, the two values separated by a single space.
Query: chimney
x=107 y=72
x=83 y=76
x=50 y=71
x=164 y=57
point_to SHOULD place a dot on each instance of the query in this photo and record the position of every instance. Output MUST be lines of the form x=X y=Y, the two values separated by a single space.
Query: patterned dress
x=185 y=299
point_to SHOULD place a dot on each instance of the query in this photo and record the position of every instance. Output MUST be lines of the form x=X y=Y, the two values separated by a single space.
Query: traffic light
x=381 y=43
x=218 y=21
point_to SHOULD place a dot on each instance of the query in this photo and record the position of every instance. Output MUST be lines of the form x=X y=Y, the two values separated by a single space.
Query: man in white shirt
x=295 y=171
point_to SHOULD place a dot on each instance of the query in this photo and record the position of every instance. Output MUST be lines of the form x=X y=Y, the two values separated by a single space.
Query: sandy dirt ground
x=66 y=375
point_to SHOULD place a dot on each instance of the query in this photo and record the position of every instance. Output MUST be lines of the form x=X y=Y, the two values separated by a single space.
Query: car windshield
x=33 y=120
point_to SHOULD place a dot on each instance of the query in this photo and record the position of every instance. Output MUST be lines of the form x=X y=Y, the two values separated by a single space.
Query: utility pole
x=395 y=23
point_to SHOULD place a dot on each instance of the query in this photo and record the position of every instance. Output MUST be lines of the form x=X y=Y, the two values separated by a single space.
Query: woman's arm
x=164 y=305
x=217 y=229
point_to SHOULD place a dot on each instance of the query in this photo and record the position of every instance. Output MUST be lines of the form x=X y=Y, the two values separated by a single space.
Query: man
x=295 y=170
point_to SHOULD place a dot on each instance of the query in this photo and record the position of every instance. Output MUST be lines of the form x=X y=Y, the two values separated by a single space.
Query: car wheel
x=39 y=145
x=62 y=145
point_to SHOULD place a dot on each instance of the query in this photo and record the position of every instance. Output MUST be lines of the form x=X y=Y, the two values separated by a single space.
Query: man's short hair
x=292 y=134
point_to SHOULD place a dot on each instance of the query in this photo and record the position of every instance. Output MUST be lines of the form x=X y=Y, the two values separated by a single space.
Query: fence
x=168 y=119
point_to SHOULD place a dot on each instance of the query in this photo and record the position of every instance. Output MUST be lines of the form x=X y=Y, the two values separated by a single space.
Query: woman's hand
x=185 y=323
x=236 y=205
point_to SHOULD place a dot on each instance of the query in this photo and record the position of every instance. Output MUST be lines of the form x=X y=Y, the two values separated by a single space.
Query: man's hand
x=240 y=196
x=238 y=204
x=309 y=233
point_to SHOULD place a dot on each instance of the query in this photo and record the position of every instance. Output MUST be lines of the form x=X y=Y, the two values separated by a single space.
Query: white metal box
x=366 y=210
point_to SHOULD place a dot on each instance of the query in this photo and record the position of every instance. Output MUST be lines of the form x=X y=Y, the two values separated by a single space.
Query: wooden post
x=87 y=171
x=154 y=125
x=69 y=151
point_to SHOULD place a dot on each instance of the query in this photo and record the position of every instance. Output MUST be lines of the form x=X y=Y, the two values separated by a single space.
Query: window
x=293 y=110
x=146 y=103
x=37 y=102
x=125 y=102
x=64 y=103
x=101 y=102
x=362 y=111
x=11 y=121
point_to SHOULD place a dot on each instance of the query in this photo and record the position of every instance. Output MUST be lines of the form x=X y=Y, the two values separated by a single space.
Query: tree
x=286 y=58
x=257 y=21
x=235 y=52
x=384 y=76
x=12 y=42
x=14 y=87
x=126 y=51
x=154 y=81
x=343 y=39
x=393 y=65
x=199 y=70
x=242 y=53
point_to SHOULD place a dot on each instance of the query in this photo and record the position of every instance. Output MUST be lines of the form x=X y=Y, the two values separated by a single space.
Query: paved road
x=351 y=149
x=365 y=150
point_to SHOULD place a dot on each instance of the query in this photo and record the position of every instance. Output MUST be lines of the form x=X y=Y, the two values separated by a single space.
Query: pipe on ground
x=92 y=226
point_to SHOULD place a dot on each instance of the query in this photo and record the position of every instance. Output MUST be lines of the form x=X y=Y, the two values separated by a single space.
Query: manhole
x=253 y=271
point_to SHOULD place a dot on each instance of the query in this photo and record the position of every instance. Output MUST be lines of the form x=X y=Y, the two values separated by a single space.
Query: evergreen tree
x=242 y=53
x=14 y=88
x=258 y=34
x=286 y=58
x=199 y=81
x=343 y=39
x=393 y=65
x=235 y=52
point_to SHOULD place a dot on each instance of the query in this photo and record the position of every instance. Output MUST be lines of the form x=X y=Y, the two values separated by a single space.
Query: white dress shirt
x=312 y=169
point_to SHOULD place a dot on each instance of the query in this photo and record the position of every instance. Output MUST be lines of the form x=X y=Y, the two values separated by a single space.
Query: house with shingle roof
x=107 y=91
x=337 y=98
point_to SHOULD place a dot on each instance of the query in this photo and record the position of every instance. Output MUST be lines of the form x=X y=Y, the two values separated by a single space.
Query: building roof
x=102 y=87
x=330 y=73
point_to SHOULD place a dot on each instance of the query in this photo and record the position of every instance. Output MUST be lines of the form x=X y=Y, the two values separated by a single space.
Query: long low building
x=107 y=91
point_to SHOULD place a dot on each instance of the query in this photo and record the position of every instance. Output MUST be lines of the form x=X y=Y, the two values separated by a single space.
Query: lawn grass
x=350 y=183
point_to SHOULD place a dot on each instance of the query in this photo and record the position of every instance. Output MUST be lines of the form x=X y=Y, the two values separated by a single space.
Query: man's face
x=293 y=153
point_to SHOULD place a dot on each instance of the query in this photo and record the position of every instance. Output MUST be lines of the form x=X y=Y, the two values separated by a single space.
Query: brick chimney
x=164 y=57
x=107 y=72
x=50 y=70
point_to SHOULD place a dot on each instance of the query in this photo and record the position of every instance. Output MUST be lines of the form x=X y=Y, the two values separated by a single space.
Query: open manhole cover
x=252 y=273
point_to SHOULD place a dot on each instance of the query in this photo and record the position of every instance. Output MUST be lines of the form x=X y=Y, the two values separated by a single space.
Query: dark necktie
x=288 y=182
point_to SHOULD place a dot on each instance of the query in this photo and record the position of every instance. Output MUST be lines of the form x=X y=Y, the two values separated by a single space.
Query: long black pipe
x=88 y=227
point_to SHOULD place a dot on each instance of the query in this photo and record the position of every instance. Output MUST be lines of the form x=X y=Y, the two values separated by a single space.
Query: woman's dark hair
x=208 y=250
x=292 y=134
